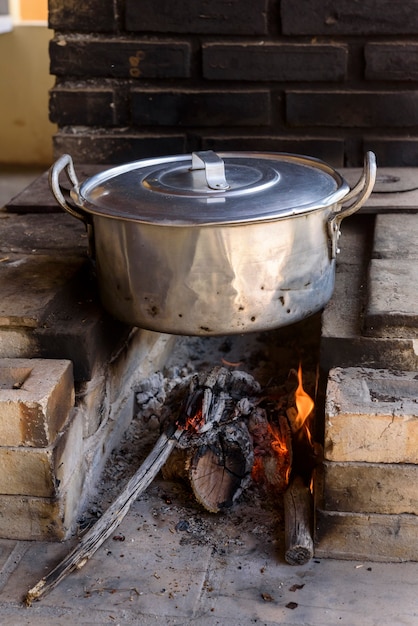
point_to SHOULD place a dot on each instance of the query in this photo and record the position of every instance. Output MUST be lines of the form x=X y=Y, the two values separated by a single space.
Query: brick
x=325 y=17
x=76 y=327
x=274 y=62
x=82 y=15
x=17 y=343
x=383 y=488
x=342 y=315
x=235 y=17
x=118 y=57
x=391 y=61
x=31 y=519
x=356 y=351
x=392 y=305
x=200 y=108
x=42 y=472
x=116 y=146
x=36 y=396
x=371 y=416
x=394 y=152
x=366 y=537
x=28 y=284
x=396 y=237
x=49 y=306
x=330 y=150
x=89 y=106
x=342 y=343
x=345 y=109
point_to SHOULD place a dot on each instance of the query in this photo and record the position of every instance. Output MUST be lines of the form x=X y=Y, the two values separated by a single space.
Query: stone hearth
x=50 y=314
x=366 y=506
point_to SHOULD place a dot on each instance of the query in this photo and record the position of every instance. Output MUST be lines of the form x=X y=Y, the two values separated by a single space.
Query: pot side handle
x=360 y=192
x=65 y=163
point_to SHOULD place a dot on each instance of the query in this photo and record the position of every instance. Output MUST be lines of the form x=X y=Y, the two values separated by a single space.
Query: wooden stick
x=110 y=520
x=298 y=520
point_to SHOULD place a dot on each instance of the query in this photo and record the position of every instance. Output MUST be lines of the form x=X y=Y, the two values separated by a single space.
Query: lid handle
x=214 y=168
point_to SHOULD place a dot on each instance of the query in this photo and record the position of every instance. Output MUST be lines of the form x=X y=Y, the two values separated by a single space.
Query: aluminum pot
x=214 y=244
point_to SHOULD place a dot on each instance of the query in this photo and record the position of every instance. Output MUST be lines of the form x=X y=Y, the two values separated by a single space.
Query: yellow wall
x=25 y=131
x=33 y=9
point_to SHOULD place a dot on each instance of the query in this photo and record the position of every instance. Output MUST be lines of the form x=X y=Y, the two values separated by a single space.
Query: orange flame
x=277 y=443
x=304 y=403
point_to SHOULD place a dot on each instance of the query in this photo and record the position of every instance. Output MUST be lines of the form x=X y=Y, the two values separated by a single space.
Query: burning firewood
x=218 y=452
x=272 y=440
x=297 y=498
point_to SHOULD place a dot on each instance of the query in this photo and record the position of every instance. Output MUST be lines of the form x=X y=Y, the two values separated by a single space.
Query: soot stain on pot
x=153 y=310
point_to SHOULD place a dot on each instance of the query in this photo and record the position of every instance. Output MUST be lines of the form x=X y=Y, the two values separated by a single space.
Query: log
x=212 y=410
x=220 y=471
x=110 y=520
x=272 y=449
x=217 y=472
x=298 y=519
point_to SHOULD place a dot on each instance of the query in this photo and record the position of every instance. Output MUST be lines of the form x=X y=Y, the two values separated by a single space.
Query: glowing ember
x=281 y=450
x=231 y=363
x=191 y=418
x=194 y=423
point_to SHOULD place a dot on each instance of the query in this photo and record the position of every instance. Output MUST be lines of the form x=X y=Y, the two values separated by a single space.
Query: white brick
x=36 y=396
x=372 y=416
x=388 y=488
x=372 y=537
x=42 y=472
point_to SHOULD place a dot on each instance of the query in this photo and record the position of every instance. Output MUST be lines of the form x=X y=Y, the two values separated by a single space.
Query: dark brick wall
x=328 y=78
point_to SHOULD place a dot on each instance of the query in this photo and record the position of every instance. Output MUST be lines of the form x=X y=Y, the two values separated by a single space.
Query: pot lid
x=212 y=188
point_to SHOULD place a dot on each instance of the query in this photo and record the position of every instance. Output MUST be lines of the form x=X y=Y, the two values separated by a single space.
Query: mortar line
x=12 y=562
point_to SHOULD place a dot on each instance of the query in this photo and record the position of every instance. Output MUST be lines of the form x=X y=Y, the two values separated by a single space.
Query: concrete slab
x=35 y=196
x=216 y=571
x=395 y=189
x=32 y=234
x=396 y=237
x=29 y=283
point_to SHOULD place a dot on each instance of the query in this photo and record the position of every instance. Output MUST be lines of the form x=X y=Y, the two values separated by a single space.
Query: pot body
x=214 y=279
x=182 y=249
